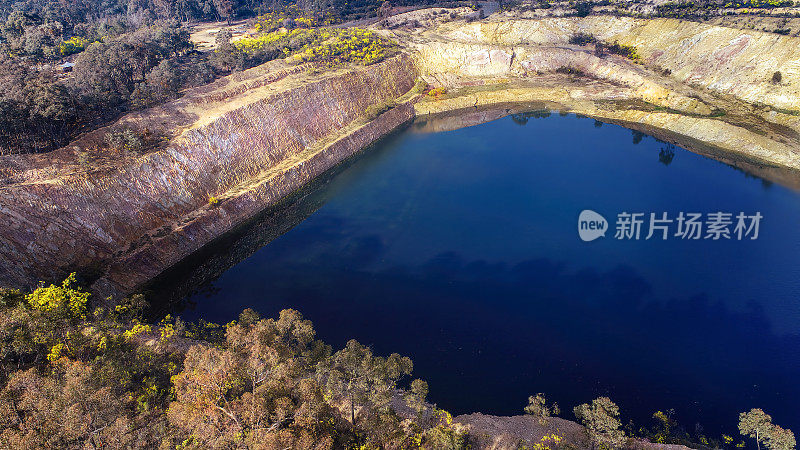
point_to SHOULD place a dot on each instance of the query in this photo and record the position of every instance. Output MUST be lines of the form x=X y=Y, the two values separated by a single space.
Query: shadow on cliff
x=169 y=290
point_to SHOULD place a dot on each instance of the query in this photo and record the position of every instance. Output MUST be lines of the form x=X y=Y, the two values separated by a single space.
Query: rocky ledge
x=489 y=432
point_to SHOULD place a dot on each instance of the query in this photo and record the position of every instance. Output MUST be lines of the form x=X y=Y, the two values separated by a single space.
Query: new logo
x=591 y=225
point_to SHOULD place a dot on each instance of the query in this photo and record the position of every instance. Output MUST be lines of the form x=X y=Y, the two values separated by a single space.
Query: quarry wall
x=726 y=60
x=260 y=135
x=129 y=223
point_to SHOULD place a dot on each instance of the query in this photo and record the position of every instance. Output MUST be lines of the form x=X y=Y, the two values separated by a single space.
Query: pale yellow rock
x=722 y=59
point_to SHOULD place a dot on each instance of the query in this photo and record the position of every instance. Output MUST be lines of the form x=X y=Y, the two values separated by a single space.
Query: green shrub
x=582 y=39
x=377 y=109
x=569 y=70
x=125 y=139
x=624 y=50
x=583 y=9
x=75 y=44
x=420 y=86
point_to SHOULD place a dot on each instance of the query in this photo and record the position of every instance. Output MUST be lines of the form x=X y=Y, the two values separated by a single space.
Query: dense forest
x=67 y=67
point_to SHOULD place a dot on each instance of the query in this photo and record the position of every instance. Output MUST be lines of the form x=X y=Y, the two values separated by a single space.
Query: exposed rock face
x=148 y=213
x=715 y=76
x=721 y=59
x=256 y=136
x=450 y=63
x=507 y=433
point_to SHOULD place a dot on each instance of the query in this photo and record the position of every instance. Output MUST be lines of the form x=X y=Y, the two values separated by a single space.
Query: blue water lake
x=460 y=249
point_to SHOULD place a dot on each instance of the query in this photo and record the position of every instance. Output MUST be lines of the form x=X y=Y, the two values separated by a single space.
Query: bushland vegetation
x=78 y=373
x=327 y=46
x=43 y=105
x=69 y=67
x=602 y=48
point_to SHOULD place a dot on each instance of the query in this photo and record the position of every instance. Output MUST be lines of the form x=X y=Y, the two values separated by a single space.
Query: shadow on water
x=501 y=332
x=486 y=335
x=171 y=290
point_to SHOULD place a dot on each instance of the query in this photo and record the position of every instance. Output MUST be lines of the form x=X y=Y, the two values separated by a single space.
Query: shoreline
x=210 y=223
x=254 y=138
x=788 y=176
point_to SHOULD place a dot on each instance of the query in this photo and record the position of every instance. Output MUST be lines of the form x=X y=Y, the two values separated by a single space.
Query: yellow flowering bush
x=56 y=352
x=277 y=18
x=548 y=442
x=305 y=21
x=75 y=44
x=167 y=327
x=273 y=20
x=136 y=330
x=447 y=433
x=331 y=46
x=437 y=93
x=759 y=4
x=350 y=45
x=252 y=45
x=64 y=300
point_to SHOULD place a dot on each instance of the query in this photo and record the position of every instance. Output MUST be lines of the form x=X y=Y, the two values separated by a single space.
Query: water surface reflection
x=460 y=249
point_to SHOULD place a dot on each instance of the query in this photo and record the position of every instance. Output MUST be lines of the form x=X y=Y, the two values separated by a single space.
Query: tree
x=583 y=8
x=601 y=420
x=227 y=57
x=75 y=378
x=63 y=407
x=37 y=111
x=109 y=72
x=758 y=425
x=755 y=424
x=416 y=396
x=226 y=9
x=77 y=381
x=446 y=434
x=780 y=439
x=51 y=109
x=258 y=390
x=537 y=407
x=365 y=384
x=161 y=84
x=106 y=72
x=666 y=155
x=666 y=424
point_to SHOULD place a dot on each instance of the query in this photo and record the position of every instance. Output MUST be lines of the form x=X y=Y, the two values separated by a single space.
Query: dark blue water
x=460 y=249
